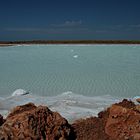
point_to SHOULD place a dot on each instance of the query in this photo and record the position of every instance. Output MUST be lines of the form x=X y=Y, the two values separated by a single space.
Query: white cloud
x=66 y=27
x=67 y=24
x=51 y=30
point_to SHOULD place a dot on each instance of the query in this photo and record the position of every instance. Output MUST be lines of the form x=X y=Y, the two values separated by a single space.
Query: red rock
x=35 y=123
x=90 y=129
x=121 y=121
x=126 y=104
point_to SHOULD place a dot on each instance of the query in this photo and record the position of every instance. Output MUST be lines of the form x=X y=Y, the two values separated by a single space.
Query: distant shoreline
x=11 y=43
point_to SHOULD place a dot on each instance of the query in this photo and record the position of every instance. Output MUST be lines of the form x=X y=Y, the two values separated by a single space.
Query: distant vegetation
x=71 y=42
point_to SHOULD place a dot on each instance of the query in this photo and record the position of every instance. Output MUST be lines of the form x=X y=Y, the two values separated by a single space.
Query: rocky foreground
x=121 y=121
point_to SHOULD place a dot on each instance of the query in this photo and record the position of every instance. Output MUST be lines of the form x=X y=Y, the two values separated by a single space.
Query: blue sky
x=69 y=19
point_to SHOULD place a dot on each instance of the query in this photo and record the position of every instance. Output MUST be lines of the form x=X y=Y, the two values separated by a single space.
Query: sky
x=69 y=20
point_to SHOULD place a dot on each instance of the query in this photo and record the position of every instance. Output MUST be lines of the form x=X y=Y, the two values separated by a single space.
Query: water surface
x=89 y=71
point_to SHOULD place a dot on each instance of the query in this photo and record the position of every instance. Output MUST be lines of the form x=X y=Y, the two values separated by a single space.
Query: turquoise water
x=83 y=69
x=80 y=78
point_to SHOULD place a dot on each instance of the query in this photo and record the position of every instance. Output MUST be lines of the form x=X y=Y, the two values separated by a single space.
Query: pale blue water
x=89 y=70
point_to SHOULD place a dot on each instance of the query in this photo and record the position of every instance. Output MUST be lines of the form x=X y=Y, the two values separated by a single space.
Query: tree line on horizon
x=72 y=42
